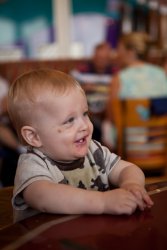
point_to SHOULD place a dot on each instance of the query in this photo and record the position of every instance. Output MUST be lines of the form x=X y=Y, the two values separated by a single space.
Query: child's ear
x=31 y=136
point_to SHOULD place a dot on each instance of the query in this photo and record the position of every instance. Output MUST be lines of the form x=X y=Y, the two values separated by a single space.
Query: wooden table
x=140 y=231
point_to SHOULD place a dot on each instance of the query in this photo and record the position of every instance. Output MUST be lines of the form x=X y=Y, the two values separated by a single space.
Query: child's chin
x=82 y=154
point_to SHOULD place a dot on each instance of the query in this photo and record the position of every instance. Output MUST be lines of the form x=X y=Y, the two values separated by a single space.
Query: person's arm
x=112 y=123
x=113 y=97
x=3 y=107
x=47 y=196
x=130 y=177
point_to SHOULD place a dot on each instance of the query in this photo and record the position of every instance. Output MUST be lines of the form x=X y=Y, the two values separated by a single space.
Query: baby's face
x=65 y=129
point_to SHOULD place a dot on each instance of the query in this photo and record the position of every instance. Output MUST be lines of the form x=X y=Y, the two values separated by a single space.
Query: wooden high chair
x=142 y=134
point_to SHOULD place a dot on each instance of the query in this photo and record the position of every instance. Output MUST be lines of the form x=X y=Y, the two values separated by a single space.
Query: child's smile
x=68 y=127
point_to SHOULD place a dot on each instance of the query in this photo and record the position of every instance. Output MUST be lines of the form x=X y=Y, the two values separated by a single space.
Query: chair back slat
x=142 y=135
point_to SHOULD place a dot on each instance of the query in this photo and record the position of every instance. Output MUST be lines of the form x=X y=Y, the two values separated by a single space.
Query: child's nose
x=83 y=124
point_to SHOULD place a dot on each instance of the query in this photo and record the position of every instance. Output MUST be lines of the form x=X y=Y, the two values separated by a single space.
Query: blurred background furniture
x=142 y=133
x=6 y=211
x=11 y=70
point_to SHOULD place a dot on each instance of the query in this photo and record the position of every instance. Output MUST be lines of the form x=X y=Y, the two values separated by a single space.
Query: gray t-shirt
x=90 y=172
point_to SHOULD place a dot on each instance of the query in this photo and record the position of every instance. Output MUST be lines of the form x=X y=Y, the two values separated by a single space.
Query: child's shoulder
x=94 y=145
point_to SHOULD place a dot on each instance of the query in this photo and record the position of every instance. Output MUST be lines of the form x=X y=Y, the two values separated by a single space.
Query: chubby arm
x=125 y=172
x=130 y=177
x=47 y=196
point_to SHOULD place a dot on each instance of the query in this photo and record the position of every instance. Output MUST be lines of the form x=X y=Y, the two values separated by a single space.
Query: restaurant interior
x=63 y=35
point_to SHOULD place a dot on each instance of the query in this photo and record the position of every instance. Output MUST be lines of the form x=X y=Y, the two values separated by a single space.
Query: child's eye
x=70 y=120
x=86 y=113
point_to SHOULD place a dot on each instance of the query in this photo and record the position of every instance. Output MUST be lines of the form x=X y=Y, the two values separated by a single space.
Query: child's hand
x=120 y=201
x=140 y=193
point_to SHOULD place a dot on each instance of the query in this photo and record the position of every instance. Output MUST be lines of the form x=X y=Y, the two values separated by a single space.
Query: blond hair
x=30 y=90
x=138 y=41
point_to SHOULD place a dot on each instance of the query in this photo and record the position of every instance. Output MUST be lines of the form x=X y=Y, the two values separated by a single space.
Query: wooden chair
x=142 y=133
x=6 y=211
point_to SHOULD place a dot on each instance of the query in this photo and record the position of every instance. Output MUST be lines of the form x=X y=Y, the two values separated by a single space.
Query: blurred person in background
x=10 y=147
x=136 y=79
x=101 y=61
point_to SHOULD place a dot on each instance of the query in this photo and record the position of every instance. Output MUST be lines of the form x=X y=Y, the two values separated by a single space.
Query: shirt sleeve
x=32 y=168
x=109 y=159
